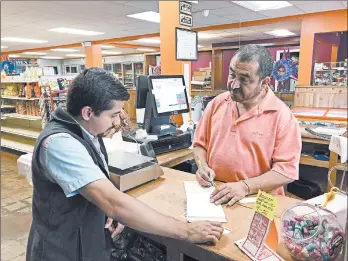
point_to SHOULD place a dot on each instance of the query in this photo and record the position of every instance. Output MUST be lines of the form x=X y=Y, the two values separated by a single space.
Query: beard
x=238 y=94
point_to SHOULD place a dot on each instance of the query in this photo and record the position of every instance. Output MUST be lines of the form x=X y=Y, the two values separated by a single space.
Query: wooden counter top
x=174 y=158
x=167 y=195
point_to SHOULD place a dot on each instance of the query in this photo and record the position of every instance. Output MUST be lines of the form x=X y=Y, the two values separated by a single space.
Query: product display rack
x=128 y=69
x=329 y=73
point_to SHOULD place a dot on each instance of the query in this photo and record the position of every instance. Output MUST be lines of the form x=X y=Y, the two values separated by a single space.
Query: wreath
x=283 y=70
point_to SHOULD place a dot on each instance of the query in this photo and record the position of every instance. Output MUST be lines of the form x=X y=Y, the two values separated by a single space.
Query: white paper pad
x=199 y=206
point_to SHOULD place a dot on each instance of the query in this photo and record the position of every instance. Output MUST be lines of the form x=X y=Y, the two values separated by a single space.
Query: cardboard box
x=200 y=73
x=199 y=78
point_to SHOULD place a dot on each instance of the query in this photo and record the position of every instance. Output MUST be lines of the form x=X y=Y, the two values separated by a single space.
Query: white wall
x=46 y=62
x=80 y=61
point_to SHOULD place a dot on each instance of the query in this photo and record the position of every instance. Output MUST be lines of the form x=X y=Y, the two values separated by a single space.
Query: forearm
x=131 y=212
x=200 y=155
x=267 y=182
x=149 y=220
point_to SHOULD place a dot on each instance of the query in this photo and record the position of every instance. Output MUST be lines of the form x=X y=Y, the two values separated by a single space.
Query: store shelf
x=20 y=131
x=19 y=81
x=17 y=145
x=4 y=106
x=309 y=160
x=18 y=98
x=22 y=117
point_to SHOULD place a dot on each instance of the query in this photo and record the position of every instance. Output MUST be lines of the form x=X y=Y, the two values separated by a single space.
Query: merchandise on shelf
x=330 y=73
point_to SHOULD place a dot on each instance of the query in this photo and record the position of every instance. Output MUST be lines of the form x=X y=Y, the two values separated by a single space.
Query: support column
x=169 y=15
x=93 y=56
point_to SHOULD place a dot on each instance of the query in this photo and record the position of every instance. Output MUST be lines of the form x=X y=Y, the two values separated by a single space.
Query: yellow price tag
x=266 y=205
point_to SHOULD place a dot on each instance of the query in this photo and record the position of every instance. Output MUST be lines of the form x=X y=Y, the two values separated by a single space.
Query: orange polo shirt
x=267 y=137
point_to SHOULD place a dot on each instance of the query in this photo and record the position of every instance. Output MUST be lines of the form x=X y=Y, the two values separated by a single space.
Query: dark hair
x=254 y=52
x=96 y=88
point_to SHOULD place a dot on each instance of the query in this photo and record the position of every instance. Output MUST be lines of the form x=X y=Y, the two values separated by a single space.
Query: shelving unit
x=128 y=78
x=329 y=73
x=309 y=160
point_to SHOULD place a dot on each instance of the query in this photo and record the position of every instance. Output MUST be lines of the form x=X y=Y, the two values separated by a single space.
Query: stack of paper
x=198 y=204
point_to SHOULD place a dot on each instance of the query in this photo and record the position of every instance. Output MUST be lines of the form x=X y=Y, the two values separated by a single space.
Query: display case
x=138 y=69
x=128 y=75
x=328 y=73
x=117 y=68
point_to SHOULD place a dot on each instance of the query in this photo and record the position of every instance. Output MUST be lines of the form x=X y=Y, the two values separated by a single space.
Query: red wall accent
x=203 y=61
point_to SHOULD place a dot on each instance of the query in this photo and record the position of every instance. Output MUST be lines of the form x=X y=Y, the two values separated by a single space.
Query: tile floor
x=16 y=195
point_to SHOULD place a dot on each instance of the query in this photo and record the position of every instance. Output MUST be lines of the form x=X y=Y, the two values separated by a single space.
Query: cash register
x=161 y=96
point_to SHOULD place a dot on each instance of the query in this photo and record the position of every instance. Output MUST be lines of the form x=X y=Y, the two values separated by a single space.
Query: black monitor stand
x=153 y=124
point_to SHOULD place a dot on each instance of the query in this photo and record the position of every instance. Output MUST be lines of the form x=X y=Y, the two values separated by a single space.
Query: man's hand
x=229 y=193
x=204 y=231
x=114 y=230
x=205 y=175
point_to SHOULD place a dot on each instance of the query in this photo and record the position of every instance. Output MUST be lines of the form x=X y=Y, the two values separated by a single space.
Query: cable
x=129 y=136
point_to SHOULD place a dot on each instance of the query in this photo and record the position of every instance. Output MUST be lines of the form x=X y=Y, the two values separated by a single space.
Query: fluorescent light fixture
x=148 y=40
x=22 y=40
x=205 y=36
x=107 y=46
x=76 y=55
x=200 y=46
x=146 y=49
x=74 y=31
x=280 y=32
x=3 y=47
x=64 y=50
x=35 y=53
x=51 y=57
x=147 y=16
x=263 y=5
x=13 y=55
x=110 y=52
x=195 y=2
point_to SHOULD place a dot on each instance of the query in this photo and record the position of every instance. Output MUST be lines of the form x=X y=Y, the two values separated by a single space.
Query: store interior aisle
x=16 y=201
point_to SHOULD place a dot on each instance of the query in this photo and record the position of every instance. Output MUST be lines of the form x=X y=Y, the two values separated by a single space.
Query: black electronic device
x=206 y=100
x=171 y=143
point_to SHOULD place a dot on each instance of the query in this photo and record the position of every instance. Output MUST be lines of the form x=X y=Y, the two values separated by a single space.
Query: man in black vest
x=72 y=190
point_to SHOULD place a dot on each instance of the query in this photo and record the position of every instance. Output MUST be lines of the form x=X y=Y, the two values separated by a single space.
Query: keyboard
x=171 y=143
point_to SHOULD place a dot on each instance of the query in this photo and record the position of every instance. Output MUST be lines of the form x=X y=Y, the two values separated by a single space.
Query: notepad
x=198 y=204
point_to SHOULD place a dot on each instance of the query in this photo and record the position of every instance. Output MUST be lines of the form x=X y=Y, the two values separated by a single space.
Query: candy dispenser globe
x=311 y=233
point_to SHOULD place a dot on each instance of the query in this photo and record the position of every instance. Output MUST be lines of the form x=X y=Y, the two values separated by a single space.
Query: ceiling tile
x=202 y=5
x=319 y=6
x=146 y=5
x=198 y=18
x=287 y=11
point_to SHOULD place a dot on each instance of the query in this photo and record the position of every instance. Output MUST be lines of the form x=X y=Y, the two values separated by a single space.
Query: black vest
x=65 y=229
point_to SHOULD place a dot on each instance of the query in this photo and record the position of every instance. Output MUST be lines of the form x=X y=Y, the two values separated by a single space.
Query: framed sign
x=185 y=8
x=186 y=45
x=185 y=20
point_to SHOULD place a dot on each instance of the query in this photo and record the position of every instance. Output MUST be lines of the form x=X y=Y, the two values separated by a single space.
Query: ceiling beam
x=126 y=38
x=134 y=46
x=43 y=48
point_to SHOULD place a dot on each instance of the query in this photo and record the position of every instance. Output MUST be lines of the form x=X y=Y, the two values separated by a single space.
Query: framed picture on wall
x=186 y=45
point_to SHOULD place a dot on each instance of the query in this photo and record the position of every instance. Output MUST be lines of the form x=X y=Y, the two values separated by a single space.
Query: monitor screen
x=170 y=94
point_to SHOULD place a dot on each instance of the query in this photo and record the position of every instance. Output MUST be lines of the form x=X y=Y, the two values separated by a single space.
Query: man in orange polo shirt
x=247 y=137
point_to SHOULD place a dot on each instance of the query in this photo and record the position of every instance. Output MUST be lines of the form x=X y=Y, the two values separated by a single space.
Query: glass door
x=128 y=75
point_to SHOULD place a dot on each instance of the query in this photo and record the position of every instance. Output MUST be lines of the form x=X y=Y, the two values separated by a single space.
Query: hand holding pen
x=205 y=175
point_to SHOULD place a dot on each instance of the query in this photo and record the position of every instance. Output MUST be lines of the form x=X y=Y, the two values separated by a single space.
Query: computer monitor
x=144 y=99
x=169 y=94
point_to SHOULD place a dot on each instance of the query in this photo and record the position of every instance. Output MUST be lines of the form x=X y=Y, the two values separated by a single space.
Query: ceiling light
x=263 y=5
x=22 y=40
x=3 y=47
x=74 y=31
x=35 y=53
x=107 y=46
x=64 y=50
x=147 y=16
x=205 y=36
x=76 y=55
x=200 y=46
x=51 y=57
x=195 y=2
x=148 y=40
x=13 y=55
x=146 y=49
x=110 y=52
x=280 y=32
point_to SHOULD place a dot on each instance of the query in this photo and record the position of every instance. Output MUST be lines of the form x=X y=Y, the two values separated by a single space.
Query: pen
x=212 y=183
